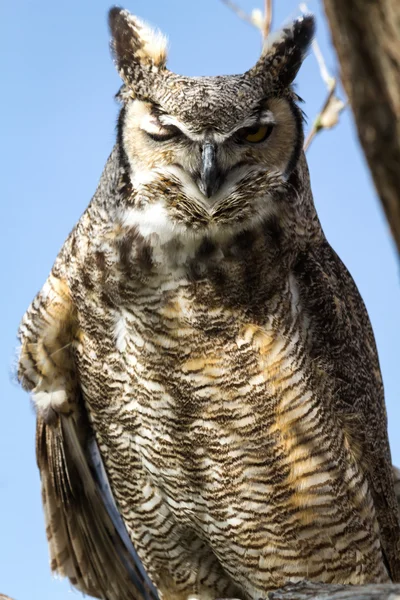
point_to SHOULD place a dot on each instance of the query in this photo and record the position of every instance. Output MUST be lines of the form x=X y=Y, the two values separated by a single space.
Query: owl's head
x=206 y=153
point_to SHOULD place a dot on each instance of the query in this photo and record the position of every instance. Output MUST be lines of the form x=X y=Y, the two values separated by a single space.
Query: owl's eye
x=164 y=133
x=256 y=134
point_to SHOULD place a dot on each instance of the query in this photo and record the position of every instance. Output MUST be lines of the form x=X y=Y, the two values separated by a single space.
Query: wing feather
x=87 y=538
x=343 y=339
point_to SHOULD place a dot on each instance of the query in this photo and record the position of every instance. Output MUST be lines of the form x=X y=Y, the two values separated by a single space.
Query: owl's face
x=207 y=153
x=210 y=158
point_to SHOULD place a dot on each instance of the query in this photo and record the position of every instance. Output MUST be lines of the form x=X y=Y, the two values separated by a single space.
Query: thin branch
x=267 y=18
x=323 y=69
x=325 y=75
x=328 y=116
x=316 y=127
x=257 y=19
x=239 y=12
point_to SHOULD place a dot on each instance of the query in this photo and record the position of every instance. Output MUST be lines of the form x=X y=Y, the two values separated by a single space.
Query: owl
x=210 y=410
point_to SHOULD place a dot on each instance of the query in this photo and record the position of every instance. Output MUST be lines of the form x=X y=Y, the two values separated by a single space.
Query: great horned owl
x=210 y=412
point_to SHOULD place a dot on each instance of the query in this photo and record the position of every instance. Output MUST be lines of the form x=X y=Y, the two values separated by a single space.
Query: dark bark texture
x=320 y=591
x=366 y=35
x=306 y=590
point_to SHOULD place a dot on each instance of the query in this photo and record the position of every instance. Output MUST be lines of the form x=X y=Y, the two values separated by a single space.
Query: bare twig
x=257 y=19
x=239 y=12
x=326 y=77
x=328 y=116
x=267 y=18
x=316 y=126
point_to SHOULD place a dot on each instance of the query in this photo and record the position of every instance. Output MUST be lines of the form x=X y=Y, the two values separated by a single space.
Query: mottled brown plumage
x=200 y=348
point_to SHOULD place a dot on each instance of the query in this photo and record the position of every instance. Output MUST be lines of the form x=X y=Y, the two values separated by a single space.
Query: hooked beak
x=209 y=174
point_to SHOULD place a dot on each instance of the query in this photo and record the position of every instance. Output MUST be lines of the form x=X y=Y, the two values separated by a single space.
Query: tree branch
x=366 y=37
x=308 y=590
x=328 y=116
x=324 y=591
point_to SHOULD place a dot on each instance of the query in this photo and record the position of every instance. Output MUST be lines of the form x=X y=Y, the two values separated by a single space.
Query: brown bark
x=320 y=591
x=308 y=590
x=366 y=35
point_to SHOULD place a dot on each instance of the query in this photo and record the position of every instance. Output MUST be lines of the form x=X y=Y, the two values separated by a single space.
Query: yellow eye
x=256 y=134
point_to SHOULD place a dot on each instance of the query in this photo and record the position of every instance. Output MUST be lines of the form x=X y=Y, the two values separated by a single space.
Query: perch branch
x=323 y=591
x=308 y=590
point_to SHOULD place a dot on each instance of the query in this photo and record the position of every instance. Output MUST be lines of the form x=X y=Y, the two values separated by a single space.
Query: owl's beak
x=209 y=174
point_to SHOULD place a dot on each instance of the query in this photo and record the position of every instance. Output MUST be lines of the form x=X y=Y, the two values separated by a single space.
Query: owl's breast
x=214 y=418
x=200 y=387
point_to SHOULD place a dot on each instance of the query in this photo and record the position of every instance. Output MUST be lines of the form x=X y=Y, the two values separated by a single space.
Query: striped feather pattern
x=215 y=437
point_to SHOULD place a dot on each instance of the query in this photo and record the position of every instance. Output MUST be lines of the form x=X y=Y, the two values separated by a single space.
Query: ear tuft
x=135 y=46
x=284 y=51
x=303 y=31
x=155 y=44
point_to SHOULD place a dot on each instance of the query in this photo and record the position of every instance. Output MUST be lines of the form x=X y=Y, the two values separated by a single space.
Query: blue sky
x=58 y=128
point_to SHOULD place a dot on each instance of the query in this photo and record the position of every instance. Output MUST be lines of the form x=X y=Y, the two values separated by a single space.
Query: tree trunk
x=366 y=35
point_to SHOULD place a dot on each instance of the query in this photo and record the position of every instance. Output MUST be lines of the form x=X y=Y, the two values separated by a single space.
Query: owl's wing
x=343 y=343
x=87 y=538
